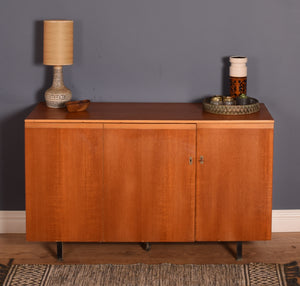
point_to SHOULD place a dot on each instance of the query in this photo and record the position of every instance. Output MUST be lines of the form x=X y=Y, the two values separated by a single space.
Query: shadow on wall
x=38 y=59
x=12 y=193
x=12 y=164
x=225 y=82
x=225 y=76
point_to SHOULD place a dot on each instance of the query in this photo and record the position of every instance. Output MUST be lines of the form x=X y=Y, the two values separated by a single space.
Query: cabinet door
x=63 y=181
x=149 y=182
x=234 y=182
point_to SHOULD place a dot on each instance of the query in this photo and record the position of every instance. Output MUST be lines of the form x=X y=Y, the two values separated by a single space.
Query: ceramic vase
x=238 y=76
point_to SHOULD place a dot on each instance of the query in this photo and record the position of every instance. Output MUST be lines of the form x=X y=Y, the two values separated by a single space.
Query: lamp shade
x=58 y=42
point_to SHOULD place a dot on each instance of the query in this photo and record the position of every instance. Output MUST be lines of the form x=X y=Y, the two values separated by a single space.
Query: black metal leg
x=146 y=245
x=239 y=250
x=59 y=250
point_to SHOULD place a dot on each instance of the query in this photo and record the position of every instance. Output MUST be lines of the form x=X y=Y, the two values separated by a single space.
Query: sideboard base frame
x=239 y=250
x=147 y=247
x=59 y=250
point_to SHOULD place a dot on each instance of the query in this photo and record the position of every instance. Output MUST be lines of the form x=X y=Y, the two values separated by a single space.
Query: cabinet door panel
x=149 y=182
x=64 y=183
x=234 y=184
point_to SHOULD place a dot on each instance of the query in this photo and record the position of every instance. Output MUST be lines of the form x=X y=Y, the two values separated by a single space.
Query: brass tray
x=253 y=107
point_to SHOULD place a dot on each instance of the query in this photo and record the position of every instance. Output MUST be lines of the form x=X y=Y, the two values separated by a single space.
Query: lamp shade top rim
x=238 y=59
x=58 y=20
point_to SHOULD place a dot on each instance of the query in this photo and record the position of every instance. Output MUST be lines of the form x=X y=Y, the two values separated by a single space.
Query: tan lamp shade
x=58 y=42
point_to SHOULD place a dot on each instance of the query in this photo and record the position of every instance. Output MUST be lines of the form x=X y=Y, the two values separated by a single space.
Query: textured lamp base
x=57 y=95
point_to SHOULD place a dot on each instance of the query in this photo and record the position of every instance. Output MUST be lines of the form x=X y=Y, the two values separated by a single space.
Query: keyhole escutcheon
x=201 y=160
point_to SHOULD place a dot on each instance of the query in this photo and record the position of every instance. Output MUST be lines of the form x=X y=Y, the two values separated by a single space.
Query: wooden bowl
x=78 y=105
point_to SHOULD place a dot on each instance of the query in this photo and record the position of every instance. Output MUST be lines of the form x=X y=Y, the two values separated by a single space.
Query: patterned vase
x=238 y=76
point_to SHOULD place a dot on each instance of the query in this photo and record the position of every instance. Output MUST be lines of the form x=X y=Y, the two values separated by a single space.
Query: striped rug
x=254 y=274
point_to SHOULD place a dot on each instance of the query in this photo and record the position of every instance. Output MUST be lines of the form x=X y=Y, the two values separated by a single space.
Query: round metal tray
x=253 y=107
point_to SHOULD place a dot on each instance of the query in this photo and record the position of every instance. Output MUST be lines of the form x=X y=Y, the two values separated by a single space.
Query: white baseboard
x=286 y=221
x=12 y=222
x=282 y=221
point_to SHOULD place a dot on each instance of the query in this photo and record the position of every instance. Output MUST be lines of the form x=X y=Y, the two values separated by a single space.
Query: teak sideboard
x=148 y=172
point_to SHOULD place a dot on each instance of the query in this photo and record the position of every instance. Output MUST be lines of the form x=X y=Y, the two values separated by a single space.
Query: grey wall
x=153 y=51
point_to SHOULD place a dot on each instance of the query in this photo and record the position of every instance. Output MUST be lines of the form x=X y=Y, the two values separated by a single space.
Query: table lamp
x=58 y=52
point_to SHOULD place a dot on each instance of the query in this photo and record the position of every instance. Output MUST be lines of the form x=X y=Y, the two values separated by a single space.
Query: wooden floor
x=283 y=248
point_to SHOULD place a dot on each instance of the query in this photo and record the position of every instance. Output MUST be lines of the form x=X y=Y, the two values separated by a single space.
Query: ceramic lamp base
x=57 y=95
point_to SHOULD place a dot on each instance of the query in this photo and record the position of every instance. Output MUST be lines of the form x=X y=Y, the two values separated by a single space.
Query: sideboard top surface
x=141 y=112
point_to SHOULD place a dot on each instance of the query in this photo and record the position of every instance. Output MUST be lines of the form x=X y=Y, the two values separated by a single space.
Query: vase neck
x=58 y=80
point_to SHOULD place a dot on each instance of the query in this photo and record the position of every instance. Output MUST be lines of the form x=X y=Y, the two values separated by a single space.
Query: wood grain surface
x=142 y=112
x=149 y=182
x=234 y=184
x=64 y=183
x=127 y=172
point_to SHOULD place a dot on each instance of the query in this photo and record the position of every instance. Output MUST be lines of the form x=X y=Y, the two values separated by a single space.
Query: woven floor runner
x=254 y=274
